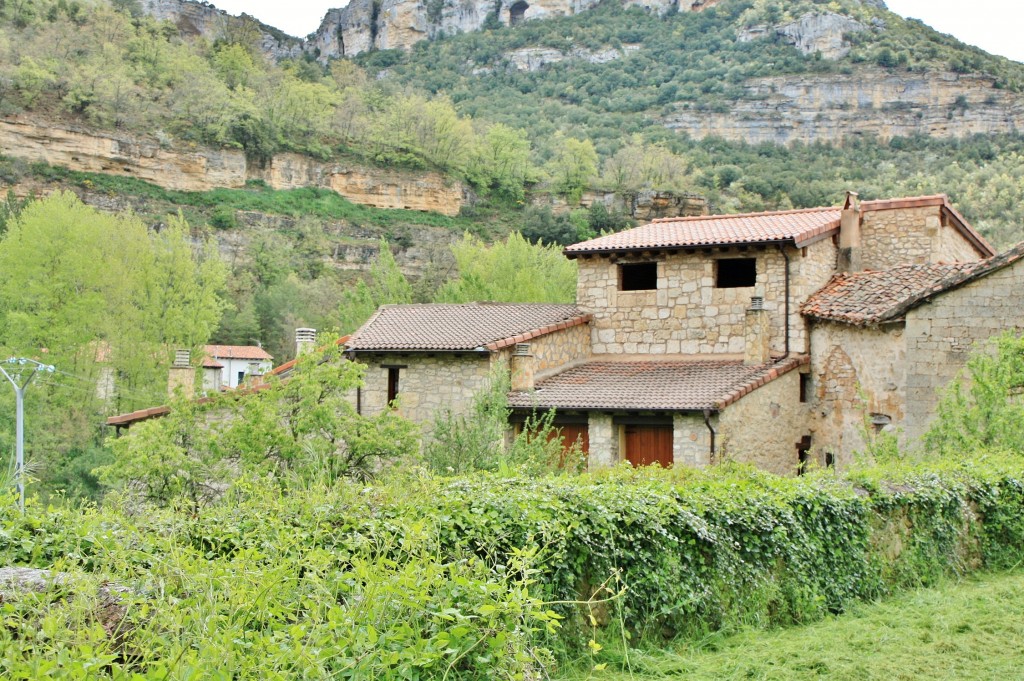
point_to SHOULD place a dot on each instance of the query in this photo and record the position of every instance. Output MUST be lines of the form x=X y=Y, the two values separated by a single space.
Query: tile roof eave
x=536 y=333
x=781 y=368
x=572 y=255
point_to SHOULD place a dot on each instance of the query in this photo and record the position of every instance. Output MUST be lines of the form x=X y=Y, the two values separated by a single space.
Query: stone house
x=773 y=338
x=769 y=338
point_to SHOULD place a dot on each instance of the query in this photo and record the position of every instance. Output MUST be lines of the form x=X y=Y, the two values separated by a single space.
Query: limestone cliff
x=869 y=101
x=202 y=169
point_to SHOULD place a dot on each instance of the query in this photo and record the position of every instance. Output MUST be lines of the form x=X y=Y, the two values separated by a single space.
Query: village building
x=227 y=366
x=778 y=338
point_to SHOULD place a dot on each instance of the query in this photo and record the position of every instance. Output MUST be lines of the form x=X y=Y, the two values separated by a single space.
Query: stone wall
x=604 y=441
x=910 y=235
x=687 y=314
x=428 y=383
x=203 y=169
x=557 y=349
x=691 y=441
x=855 y=372
x=764 y=427
x=942 y=334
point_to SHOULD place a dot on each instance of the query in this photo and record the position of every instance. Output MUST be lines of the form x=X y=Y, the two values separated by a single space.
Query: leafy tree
x=513 y=271
x=984 y=412
x=386 y=285
x=573 y=167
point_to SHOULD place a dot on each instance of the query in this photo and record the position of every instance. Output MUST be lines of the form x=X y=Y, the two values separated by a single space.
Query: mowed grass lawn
x=966 y=630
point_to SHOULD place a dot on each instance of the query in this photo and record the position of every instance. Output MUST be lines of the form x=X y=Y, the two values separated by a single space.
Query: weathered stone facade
x=687 y=314
x=855 y=372
x=941 y=335
x=764 y=427
x=910 y=235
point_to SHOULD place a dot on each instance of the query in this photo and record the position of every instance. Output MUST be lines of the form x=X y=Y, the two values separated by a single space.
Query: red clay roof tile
x=460 y=327
x=658 y=385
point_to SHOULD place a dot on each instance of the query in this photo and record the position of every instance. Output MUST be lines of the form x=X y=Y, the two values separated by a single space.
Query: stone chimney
x=522 y=367
x=305 y=340
x=757 y=334
x=849 y=235
x=182 y=376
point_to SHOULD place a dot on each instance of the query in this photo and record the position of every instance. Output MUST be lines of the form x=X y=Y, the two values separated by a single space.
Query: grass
x=973 y=629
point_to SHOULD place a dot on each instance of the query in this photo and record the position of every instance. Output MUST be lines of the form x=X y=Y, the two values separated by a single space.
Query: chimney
x=757 y=334
x=254 y=375
x=305 y=339
x=849 y=235
x=182 y=376
x=522 y=368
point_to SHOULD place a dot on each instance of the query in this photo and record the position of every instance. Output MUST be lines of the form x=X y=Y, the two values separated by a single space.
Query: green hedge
x=465 y=570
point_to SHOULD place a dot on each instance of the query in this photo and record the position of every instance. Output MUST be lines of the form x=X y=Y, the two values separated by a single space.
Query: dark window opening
x=805 y=387
x=803 y=452
x=392 y=384
x=241 y=377
x=830 y=460
x=516 y=13
x=735 y=272
x=641 y=276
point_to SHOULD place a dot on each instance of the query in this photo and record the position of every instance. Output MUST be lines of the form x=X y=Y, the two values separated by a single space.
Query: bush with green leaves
x=424 y=577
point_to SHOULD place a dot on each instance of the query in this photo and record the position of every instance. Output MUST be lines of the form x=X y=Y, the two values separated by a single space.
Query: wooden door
x=649 y=444
x=570 y=434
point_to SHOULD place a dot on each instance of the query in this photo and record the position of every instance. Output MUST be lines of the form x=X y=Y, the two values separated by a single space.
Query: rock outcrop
x=202 y=169
x=824 y=33
x=869 y=101
x=203 y=19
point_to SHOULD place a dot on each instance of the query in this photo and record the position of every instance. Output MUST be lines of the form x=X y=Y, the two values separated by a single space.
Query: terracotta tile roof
x=795 y=226
x=683 y=385
x=284 y=369
x=873 y=297
x=236 y=352
x=468 y=326
x=211 y=363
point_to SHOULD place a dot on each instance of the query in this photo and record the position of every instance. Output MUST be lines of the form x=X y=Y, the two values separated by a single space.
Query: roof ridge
x=732 y=216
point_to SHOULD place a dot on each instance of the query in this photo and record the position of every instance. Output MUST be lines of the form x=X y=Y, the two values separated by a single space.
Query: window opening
x=641 y=276
x=830 y=460
x=241 y=378
x=803 y=452
x=805 y=387
x=392 y=384
x=735 y=272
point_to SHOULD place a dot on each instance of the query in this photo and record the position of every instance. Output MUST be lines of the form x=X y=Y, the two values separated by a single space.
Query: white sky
x=993 y=25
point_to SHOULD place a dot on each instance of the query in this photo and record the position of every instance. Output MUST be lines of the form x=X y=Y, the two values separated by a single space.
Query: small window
x=830 y=460
x=803 y=453
x=641 y=276
x=392 y=384
x=805 y=387
x=735 y=272
x=241 y=378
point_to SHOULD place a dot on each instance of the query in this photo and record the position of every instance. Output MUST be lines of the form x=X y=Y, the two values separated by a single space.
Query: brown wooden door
x=649 y=444
x=570 y=434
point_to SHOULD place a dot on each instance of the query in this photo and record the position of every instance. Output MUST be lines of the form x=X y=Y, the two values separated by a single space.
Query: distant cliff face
x=203 y=19
x=204 y=169
x=870 y=101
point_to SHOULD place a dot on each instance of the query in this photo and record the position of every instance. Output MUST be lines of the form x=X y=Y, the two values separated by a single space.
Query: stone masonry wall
x=687 y=314
x=855 y=372
x=604 y=441
x=764 y=427
x=554 y=350
x=691 y=441
x=428 y=383
x=942 y=334
x=910 y=235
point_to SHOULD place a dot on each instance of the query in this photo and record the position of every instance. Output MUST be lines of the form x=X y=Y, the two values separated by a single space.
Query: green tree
x=386 y=285
x=573 y=167
x=512 y=271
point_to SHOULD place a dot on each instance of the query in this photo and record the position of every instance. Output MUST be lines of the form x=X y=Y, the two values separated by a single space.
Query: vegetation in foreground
x=961 y=630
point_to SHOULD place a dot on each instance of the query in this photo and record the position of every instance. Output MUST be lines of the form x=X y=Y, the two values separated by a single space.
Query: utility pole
x=20 y=385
